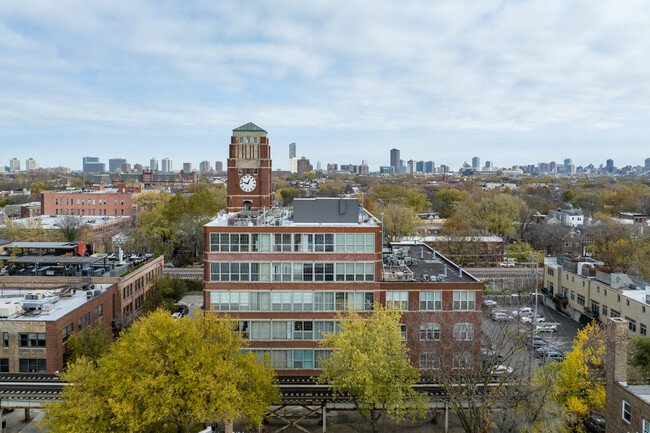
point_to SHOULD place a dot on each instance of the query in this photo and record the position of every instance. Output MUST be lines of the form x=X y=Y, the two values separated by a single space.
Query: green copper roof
x=249 y=127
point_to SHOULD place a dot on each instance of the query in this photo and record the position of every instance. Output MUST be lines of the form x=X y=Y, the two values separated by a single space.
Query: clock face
x=247 y=183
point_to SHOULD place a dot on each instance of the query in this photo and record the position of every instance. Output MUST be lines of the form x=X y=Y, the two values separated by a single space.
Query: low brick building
x=627 y=407
x=87 y=203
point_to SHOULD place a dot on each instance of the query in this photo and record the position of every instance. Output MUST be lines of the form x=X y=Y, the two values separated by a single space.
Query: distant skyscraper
x=332 y=167
x=166 y=165
x=488 y=166
x=410 y=169
x=394 y=160
x=91 y=164
x=609 y=168
x=419 y=166
x=153 y=164
x=319 y=166
x=647 y=164
x=31 y=164
x=429 y=167
x=476 y=163
x=14 y=165
x=115 y=163
x=552 y=167
x=125 y=168
x=303 y=166
x=218 y=167
x=204 y=167
x=187 y=167
x=292 y=150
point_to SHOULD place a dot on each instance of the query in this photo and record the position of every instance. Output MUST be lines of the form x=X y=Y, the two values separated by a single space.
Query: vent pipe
x=434 y=254
x=421 y=253
x=444 y=271
x=460 y=272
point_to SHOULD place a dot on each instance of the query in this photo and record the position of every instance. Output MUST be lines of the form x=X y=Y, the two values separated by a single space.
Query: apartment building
x=581 y=285
x=569 y=218
x=87 y=203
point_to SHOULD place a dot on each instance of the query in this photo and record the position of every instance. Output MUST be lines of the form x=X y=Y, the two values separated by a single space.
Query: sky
x=514 y=82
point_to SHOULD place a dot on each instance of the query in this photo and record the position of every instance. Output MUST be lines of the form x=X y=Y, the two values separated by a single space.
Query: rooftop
x=321 y=212
x=249 y=127
x=50 y=222
x=55 y=304
x=641 y=391
x=415 y=261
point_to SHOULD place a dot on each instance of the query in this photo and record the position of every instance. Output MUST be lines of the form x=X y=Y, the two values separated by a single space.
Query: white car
x=177 y=316
x=501 y=369
x=490 y=304
x=529 y=319
x=546 y=327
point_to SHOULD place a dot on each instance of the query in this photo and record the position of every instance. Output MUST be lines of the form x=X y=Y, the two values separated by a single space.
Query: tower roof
x=249 y=127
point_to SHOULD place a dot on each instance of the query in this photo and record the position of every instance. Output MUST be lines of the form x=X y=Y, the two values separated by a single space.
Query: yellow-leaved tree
x=578 y=383
x=164 y=375
x=369 y=364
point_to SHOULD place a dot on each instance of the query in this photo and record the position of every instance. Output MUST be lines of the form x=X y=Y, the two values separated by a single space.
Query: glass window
x=260 y=330
x=32 y=365
x=399 y=300
x=5 y=340
x=431 y=301
x=626 y=411
x=404 y=331
x=67 y=331
x=32 y=339
x=463 y=360
x=303 y=330
x=4 y=365
x=464 y=300
x=429 y=332
x=322 y=328
x=320 y=356
x=464 y=331
x=429 y=361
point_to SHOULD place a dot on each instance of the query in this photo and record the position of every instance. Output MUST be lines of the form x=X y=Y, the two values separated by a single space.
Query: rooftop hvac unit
x=89 y=295
x=8 y=309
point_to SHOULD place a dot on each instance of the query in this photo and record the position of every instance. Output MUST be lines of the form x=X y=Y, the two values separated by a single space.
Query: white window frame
x=623 y=411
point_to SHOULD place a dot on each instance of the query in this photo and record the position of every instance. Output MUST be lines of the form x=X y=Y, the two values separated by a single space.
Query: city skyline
x=173 y=79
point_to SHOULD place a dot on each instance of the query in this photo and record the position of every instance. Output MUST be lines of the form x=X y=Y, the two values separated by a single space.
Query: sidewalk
x=16 y=421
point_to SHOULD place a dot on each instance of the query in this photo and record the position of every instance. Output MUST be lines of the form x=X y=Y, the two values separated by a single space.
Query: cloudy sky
x=510 y=81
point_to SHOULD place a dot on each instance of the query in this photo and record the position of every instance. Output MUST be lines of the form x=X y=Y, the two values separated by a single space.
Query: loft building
x=285 y=274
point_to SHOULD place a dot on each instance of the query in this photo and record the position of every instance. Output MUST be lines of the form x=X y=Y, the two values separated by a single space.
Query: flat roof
x=50 y=222
x=67 y=303
x=641 y=391
x=46 y=245
x=52 y=260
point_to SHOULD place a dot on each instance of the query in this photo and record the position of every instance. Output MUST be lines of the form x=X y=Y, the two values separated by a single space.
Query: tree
x=165 y=292
x=640 y=355
x=399 y=221
x=71 y=227
x=165 y=375
x=92 y=343
x=493 y=212
x=447 y=198
x=370 y=365
x=38 y=187
x=578 y=383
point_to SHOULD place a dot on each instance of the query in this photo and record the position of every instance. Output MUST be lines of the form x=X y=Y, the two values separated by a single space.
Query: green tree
x=568 y=196
x=417 y=200
x=369 y=364
x=493 y=212
x=71 y=228
x=165 y=292
x=164 y=375
x=399 y=221
x=92 y=343
x=640 y=355
x=447 y=198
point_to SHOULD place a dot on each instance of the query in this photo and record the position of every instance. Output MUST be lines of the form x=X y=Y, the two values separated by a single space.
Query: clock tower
x=249 y=169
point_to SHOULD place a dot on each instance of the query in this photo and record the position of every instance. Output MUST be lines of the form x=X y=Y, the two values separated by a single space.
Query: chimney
x=616 y=359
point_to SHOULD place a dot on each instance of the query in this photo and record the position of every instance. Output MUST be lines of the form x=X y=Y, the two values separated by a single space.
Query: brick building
x=285 y=274
x=86 y=203
x=38 y=313
x=627 y=407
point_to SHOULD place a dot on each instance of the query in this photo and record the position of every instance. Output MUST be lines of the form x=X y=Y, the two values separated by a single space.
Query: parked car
x=541 y=351
x=540 y=343
x=501 y=317
x=183 y=310
x=529 y=319
x=177 y=316
x=553 y=356
x=500 y=369
x=546 y=327
x=594 y=424
x=489 y=303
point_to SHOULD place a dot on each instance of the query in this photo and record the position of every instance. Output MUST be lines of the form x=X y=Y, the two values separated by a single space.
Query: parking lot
x=505 y=330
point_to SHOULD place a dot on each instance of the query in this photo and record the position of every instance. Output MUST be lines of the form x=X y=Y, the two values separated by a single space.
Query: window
x=5 y=340
x=464 y=331
x=399 y=300
x=291 y=301
x=605 y=310
x=642 y=330
x=595 y=307
x=463 y=360
x=429 y=331
x=320 y=356
x=626 y=411
x=32 y=365
x=67 y=331
x=646 y=426
x=631 y=324
x=581 y=300
x=4 y=365
x=464 y=300
x=551 y=272
x=429 y=361
x=322 y=328
x=573 y=295
x=99 y=310
x=32 y=339
x=303 y=359
x=83 y=322
x=615 y=313
x=303 y=330
x=282 y=242
x=404 y=331
x=431 y=301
